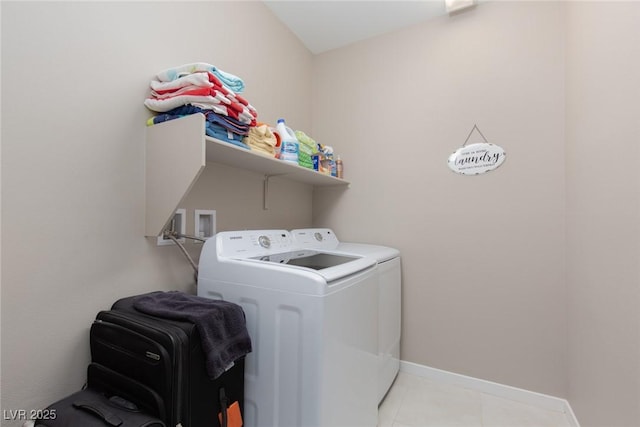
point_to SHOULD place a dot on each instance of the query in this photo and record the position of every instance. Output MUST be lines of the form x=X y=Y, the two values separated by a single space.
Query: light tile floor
x=414 y=401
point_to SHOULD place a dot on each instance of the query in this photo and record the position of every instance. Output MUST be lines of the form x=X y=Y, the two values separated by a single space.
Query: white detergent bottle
x=289 y=147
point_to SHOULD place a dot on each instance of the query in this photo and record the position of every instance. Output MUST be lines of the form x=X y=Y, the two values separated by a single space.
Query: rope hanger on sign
x=475 y=127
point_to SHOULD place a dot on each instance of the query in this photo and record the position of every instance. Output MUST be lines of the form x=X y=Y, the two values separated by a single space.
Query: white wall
x=603 y=212
x=483 y=256
x=74 y=76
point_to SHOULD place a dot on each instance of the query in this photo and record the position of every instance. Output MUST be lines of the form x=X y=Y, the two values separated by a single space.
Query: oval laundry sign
x=477 y=158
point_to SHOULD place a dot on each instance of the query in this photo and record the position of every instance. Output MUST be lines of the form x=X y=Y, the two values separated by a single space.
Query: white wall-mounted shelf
x=177 y=151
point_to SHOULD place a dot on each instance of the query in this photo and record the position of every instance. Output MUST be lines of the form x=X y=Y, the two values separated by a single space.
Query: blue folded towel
x=221 y=325
x=231 y=81
x=216 y=131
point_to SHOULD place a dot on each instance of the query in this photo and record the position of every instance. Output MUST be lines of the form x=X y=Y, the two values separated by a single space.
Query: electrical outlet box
x=205 y=224
x=178 y=224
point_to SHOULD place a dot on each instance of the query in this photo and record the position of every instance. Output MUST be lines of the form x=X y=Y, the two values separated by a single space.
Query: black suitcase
x=167 y=356
x=112 y=383
x=91 y=408
x=108 y=400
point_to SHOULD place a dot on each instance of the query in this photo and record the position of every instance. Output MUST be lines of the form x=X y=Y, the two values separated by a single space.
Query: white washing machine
x=312 y=318
x=389 y=293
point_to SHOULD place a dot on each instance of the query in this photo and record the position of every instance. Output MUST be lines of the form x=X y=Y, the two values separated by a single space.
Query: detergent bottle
x=289 y=143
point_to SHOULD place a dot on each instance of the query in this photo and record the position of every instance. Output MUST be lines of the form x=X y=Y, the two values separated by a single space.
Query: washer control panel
x=317 y=238
x=253 y=243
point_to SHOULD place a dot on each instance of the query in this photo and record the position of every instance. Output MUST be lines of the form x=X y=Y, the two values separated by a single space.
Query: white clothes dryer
x=311 y=315
x=389 y=295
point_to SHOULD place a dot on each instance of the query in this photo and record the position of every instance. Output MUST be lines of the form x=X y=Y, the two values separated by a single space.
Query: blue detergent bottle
x=289 y=147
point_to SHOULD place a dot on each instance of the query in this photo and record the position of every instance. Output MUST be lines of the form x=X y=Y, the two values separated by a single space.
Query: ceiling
x=329 y=24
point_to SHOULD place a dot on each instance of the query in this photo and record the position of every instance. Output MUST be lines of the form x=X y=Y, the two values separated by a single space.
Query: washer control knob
x=318 y=237
x=264 y=241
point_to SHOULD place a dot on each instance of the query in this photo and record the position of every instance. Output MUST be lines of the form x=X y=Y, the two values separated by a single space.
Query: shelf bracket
x=265 y=192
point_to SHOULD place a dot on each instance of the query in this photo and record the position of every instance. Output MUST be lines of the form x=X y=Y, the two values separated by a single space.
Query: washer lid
x=310 y=259
x=380 y=253
x=331 y=266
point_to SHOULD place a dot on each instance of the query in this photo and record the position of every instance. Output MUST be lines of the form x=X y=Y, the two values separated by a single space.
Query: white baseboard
x=508 y=392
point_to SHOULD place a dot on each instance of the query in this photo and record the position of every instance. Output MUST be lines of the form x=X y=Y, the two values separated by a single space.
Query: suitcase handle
x=98 y=410
x=224 y=406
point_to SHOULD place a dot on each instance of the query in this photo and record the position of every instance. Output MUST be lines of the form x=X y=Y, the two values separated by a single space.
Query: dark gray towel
x=221 y=324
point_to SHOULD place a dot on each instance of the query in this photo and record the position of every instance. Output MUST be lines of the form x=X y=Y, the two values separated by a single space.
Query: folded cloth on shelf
x=227 y=124
x=305 y=160
x=195 y=79
x=233 y=82
x=307 y=147
x=191 y=90
x=211 y=102
x=307 y=144
x=216 y=131
x=221 y=325
x=160 y=118
x=261 y=139
x=216 y=97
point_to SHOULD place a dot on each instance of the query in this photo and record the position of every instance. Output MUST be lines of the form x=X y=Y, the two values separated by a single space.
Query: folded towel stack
x=307 y=148
x=262 y=140
x=203 y=88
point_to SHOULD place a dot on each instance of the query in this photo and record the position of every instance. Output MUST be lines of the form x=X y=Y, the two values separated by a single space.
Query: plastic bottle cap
x=280 y=120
